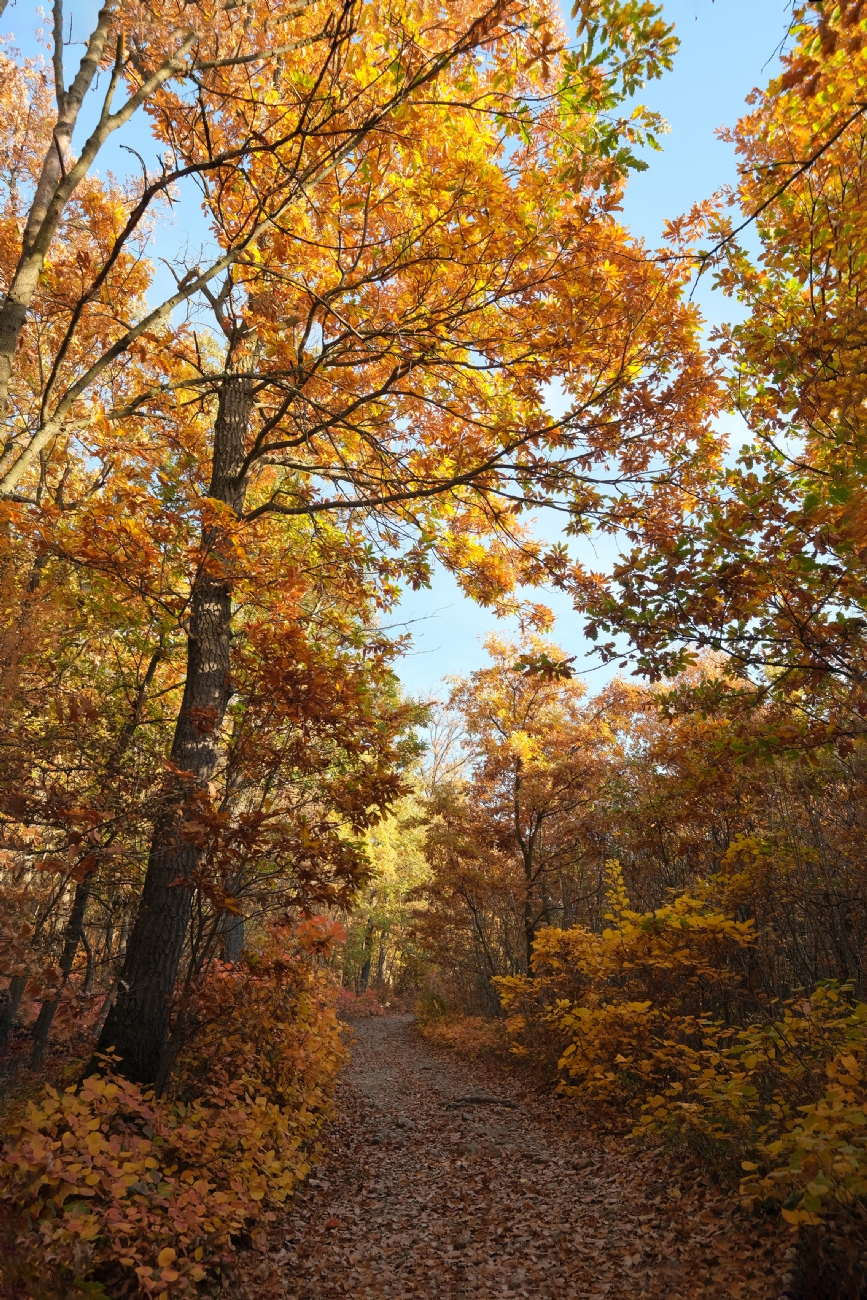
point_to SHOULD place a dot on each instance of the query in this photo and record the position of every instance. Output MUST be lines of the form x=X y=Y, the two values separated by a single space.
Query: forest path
x=424 y=1194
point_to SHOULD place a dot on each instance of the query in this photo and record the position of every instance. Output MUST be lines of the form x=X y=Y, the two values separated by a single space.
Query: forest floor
x=425 y=1192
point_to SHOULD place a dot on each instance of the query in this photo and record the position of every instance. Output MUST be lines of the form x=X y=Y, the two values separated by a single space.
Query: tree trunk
x=526 y=844
x=232 y=937
x=364 y=977
x=90 y=969
x=72 y=938
x=137 y=1025
x=45 y=212
x=11 y=1007
x=74 y=930
x=529 y=927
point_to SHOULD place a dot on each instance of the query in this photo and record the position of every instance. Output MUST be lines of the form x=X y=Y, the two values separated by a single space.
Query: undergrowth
x=470 y=1036
x=110 y=1190
x=631 y=1024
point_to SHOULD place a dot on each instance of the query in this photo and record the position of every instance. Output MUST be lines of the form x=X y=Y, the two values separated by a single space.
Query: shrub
x=106 y=1184
x=606 y=1010
x=635 y=1020
x=470 y=1036
x=360 y=1006
x=791 y=1094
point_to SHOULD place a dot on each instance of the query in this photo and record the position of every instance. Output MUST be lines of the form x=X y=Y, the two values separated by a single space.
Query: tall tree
x=538 y=760
x=767 y=563
x=416 y=224
x=398 y=374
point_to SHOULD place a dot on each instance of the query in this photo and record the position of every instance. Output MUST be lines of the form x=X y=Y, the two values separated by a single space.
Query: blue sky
x=727 y=48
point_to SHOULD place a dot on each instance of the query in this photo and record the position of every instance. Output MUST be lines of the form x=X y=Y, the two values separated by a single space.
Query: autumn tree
x=316 y=740
x=512 y=843
x=715 y=793
x=683 y=798
x=416 y=231
x=766 y=564
x=381 y=952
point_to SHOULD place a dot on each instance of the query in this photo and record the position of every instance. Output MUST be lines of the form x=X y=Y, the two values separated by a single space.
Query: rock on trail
x=434 y=1187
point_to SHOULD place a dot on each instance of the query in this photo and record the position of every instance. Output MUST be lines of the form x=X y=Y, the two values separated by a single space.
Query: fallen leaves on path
x=419 y=1197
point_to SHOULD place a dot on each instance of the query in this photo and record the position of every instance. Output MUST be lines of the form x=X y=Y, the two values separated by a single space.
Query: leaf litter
x=419 y=1197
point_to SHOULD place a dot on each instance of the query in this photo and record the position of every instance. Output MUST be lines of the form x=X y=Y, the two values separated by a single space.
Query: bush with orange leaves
x=109 y=1187
x=359 y=1006
x=469 y=1036
x=639 y=1019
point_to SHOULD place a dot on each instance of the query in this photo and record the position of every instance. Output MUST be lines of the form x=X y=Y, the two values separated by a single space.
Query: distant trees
x=564 y=784
x=534 y=755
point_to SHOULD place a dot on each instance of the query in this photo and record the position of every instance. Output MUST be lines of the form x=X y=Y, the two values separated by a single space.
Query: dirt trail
x=425 y=1193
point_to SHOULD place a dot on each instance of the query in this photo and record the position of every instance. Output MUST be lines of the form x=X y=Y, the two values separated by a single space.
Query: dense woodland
x=223 y=461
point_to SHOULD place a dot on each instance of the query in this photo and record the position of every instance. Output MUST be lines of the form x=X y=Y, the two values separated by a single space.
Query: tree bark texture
x=137 y=1025
x=232 y=937
x=10 y=1008
x=72 y=938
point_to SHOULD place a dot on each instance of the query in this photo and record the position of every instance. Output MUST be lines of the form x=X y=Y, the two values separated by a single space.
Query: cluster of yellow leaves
x=793 y=1094
x=105 y=1178
x=615 y=999
x=636 y=1020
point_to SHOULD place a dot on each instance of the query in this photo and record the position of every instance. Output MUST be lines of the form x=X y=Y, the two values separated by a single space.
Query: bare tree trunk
x=232 y=936
x=137 y=1024
x=11 y=1007
x=123 y=938
x=526 y=844
x=529 y=925
x=72 y=938
x=364 y=977
x=90 y=970
x=108 y=941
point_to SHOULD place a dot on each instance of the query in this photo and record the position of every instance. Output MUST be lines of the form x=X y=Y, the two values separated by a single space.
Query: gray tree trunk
x=137 y=1025
x=72 y=938
x=232 y=937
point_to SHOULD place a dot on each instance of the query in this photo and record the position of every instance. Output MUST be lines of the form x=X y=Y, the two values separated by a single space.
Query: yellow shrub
x=613 y=1006
x=795 y=1089
x=633 y=1018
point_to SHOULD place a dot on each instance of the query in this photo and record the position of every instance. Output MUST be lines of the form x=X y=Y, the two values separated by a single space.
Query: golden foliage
x=635 y=1018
